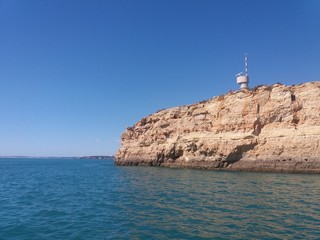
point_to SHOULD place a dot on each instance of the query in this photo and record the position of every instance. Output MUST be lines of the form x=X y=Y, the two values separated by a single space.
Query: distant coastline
x=84 y=157
x=13 y=157
x=98 y=157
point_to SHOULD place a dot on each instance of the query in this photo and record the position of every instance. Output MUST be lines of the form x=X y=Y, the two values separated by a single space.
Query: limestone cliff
x=268 y=128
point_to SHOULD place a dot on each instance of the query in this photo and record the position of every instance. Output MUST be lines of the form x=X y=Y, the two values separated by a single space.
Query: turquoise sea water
x=93 y=199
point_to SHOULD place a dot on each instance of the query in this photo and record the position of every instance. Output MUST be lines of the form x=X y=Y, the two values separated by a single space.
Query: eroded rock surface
x=269 y=128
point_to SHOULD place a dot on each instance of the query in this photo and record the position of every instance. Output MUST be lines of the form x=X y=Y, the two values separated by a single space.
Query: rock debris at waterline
x=268 y=128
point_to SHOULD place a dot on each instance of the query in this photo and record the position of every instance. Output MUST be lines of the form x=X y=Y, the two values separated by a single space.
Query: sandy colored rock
x=268 y=128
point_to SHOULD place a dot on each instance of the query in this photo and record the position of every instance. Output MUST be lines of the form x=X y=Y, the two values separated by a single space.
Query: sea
x=93 y=199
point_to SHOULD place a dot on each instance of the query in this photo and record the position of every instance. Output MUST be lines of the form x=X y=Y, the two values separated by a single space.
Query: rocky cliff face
x=269 y=128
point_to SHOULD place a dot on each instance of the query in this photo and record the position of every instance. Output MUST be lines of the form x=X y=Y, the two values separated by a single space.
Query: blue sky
x=74 y=74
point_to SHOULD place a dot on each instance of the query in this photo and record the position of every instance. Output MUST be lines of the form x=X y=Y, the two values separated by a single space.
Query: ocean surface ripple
x=93 y=199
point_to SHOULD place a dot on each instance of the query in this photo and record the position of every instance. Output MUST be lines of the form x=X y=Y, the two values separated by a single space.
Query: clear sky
x=74 y=74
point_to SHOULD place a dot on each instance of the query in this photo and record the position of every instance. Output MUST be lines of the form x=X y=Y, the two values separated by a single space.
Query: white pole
x=246 y=63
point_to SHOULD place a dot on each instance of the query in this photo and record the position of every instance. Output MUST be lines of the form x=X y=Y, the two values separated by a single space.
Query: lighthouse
x=243 y=78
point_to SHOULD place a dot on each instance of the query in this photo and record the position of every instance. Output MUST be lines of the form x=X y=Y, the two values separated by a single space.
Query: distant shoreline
x=98 y=157
x=83 y=157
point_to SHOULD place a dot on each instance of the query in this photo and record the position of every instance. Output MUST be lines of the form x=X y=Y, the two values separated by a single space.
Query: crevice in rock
x=295 y=119
x=257 y=126
x=238 y=152
x=207 y=152
x=174 y=153
x=159 y=160
x=295 y=108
